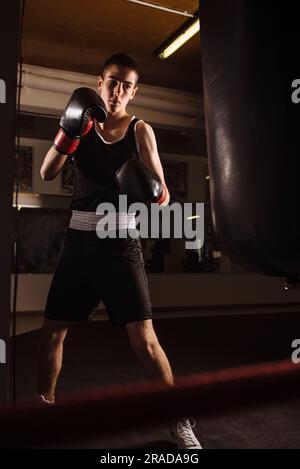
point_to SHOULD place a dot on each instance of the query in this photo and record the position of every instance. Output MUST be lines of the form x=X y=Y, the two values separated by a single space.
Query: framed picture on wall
x=176 y=179
x=42 y=232
x=23 y=169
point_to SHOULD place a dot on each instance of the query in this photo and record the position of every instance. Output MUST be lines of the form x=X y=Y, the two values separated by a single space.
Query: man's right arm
x=77 y=120
x=52 y=164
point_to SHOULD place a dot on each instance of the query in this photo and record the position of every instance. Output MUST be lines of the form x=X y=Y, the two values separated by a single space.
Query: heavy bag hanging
x=250 y=63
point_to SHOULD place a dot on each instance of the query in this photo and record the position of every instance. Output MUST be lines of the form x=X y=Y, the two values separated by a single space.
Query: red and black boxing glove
x=77 y=119
x=163 y=196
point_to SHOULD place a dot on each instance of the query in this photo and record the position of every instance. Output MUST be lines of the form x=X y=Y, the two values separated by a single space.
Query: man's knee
x=54 y=332
x=145 y=346
x=142 y=337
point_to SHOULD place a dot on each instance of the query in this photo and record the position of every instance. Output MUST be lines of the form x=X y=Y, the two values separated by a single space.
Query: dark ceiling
x=79 y=35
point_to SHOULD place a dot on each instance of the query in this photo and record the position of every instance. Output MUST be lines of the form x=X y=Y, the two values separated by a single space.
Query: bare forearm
x=52 y=164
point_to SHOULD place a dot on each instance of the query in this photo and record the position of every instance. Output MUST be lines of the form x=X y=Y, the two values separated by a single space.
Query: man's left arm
x=150 y=157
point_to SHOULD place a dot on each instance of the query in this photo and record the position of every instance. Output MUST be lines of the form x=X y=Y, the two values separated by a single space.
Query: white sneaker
x=40 y=400
x=182 y=431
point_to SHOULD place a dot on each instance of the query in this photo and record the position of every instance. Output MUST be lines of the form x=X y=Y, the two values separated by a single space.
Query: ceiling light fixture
x=178 y=39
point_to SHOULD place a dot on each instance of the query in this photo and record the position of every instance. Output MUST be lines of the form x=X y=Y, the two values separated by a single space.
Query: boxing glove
x=163 y=196
x=139 y=183
x=77 y=119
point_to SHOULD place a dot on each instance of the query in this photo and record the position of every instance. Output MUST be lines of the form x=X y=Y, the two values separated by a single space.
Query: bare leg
x=50 y=356
x=145 y=344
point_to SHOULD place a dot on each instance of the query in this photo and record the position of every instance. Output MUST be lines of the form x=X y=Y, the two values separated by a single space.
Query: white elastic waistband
x=90 y=221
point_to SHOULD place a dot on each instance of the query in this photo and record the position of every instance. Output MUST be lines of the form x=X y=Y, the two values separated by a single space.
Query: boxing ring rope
x=89 y=413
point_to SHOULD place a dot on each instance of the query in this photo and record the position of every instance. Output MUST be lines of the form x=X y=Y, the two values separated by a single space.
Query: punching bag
x=250 y=61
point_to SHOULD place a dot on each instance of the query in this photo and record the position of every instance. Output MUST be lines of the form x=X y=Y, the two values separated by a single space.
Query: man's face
x=117 y=87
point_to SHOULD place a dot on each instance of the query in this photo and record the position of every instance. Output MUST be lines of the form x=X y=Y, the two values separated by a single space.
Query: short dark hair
x=121 y=60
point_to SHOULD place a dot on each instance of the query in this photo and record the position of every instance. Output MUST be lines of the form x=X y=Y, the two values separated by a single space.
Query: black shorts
x=91 y=269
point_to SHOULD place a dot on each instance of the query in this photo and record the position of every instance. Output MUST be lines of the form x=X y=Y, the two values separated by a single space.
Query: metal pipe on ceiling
x=163 y=8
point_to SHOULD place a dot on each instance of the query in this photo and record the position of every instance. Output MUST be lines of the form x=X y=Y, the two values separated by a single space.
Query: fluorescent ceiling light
x=181 y=39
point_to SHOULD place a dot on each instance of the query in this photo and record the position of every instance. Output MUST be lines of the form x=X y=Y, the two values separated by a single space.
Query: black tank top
x=96 y=163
